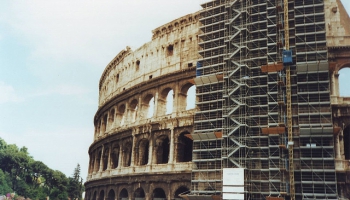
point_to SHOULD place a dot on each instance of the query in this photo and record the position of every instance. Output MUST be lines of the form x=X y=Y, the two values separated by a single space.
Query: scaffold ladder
x=289 y=106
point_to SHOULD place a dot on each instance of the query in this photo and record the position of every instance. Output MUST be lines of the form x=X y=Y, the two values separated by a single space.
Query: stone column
x=95 y=163
x=337 y=146
x=109 y=157
x=150 y=151
x=341 y=144
x=156 y=95
x=132 y=163
x=176 y=99
x=120 y=156
x=172 y=146
x=101 y=159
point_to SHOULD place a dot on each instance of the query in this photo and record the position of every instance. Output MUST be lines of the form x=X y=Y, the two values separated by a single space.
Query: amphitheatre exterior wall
x=134 y=154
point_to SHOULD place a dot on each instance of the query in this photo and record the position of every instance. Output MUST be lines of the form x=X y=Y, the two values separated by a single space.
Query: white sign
x=233 y=176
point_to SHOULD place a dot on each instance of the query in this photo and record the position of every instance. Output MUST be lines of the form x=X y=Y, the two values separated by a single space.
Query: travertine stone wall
x=173 y=47
x=136 y=156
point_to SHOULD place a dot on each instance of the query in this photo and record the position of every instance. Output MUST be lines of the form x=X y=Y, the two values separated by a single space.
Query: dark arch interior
x=181 y=190
x=102 y=195
x=144 y=150
x=139 y=193
x=159 y=193
x=163 y=150
x=111 y=195
x=346 y=133
x=123 y=194
x=94 y=196
x=115 y=157
x=184 y=148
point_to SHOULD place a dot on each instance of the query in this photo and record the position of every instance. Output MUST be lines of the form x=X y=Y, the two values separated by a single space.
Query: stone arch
x=133 y=110
x=139 y=193
x=184 y=148
x=158 y=193
x=187 y=97
x=102 y=195
x=115 y=156
x=181 y=190
x=98 y=161
x=120 y=115
x=165 y=101
x=92 y=162
x=148 y=105
x=111 y=195
x=162 y=149
x=143 y=152
x=105 y=159
x=123 y=195
x=104 y=123
x=127 y=151
x=111 y=118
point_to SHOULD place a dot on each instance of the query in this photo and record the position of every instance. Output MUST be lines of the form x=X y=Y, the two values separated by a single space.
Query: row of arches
x=152 y=104
x=147 y=149
x=139 y=194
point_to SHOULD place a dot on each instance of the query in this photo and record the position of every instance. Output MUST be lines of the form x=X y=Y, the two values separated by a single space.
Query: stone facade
x=140 y=148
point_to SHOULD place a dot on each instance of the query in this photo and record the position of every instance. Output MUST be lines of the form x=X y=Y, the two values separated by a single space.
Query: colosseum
x=140 y=148
x=269 y=121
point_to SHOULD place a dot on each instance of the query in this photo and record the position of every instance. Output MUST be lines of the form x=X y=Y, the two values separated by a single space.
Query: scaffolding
x=254 y=112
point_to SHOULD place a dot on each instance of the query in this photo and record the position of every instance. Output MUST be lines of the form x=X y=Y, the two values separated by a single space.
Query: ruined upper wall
x=338 y=24
x=173 y=47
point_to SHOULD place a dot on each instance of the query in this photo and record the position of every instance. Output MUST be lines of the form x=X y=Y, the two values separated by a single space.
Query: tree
x=75 y=187
x=4 y=183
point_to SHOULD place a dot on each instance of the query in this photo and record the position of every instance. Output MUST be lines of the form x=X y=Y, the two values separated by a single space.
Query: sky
x=52 y=54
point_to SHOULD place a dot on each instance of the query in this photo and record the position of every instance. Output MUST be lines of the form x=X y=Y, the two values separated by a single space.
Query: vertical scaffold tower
x=262 y=108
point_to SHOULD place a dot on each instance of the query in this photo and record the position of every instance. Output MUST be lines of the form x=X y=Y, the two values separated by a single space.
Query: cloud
x=8 y=94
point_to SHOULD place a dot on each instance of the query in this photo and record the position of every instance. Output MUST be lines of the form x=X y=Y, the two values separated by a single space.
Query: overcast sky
x=52 y=54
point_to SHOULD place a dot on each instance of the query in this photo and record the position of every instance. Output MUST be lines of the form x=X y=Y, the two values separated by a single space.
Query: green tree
x=4 y=183
x=75 y=187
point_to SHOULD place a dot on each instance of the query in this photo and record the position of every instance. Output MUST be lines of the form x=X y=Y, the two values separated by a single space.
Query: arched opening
x=105 y=159
x=102 y=195
x=111 y=119
x=123 y=194
x=91 y=166
x=184 y=148
x=98 y=160
x=191 y=98
x=120 y=114
x=165 y=102
x=97 y=130
x=133 y=110
x=187 y=97
x=111 y=195
x=115 y=157
x=127 y=154
x=143 y=152
x=343 y=79
x=94 y=196
x=104 y=124
x=158 y=193
x=162 y=149
x=139 y=194
x=169 y=102
x=346 y=139
x=181 y=190
x=148 y=106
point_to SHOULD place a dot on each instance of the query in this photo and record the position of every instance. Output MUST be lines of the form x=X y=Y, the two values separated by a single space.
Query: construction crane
x=287 y=61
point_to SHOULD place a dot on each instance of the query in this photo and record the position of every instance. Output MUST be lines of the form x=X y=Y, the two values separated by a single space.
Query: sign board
x=233 y=176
